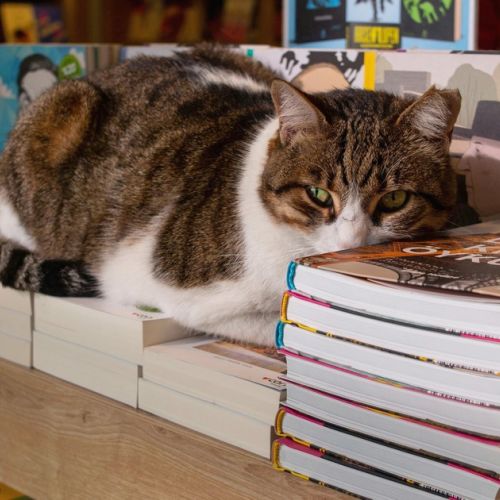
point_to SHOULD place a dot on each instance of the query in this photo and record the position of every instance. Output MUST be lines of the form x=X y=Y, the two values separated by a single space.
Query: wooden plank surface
x=59 y=441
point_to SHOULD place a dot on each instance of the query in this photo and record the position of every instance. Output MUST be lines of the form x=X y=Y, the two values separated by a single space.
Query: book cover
x=318 y=70
x=423 y=24
x=28 y=70
x=435 y=19
x=475 y=146
x=368 y=11
x=373 y=36
x=19 y=22
x=468 y=263
x=50 y=24
x=319 y=20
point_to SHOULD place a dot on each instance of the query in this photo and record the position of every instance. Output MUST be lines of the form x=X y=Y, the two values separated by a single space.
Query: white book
x=427 y=308
x=240 y=378
x=439 y=346
x=314 y=465
x=207 y=418
x=15 y=300
x=15 y=323
x=449 y=478
x=417 y=435
x=402 y=369
x=99 y=372
x=390 y=396
x=15 y=349
x=116 y=330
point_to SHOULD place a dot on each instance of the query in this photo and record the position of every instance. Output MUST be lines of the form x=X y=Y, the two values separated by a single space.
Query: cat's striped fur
x=183 y=183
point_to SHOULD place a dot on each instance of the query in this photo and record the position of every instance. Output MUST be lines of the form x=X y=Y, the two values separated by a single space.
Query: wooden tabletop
x=58 y=441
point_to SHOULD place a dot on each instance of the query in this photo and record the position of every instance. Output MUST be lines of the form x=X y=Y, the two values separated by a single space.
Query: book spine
x=284 y=307
x=275 y=455
x=279 y=335
x=290 y=275
x=278 y=423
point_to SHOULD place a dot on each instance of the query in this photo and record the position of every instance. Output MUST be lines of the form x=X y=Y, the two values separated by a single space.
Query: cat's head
x=356 y=167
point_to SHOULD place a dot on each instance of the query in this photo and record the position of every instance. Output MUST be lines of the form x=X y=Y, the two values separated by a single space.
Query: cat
x=189 y=183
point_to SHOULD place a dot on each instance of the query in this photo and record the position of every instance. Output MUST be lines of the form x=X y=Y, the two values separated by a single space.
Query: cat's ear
x=297 y=115
x=434 y=113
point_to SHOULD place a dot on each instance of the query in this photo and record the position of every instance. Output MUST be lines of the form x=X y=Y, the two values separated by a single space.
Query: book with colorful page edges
x=346 y=475
x=321 y=321
x=385 y=458
x=447 y=283
x=419 y=435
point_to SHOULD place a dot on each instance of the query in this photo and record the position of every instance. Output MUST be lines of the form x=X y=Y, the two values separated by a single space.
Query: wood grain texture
x=59 y=441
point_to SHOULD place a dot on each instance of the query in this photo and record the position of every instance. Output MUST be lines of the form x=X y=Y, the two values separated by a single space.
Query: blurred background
x=149 y=21
x=180 y=21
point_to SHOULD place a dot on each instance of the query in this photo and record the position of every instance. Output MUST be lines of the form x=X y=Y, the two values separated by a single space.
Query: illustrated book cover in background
x=424 y=24
x=468 y=263
x=435 y=20
x=320 y=20
x=28 y=70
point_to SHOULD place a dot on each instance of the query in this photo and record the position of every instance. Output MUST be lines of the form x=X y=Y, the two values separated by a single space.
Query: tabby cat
x=189 y=183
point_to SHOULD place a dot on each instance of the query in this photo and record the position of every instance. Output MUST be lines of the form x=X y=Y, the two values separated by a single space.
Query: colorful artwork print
x=27 y=71
x=436 y=19
x=373 y=11
x=319 y=20
x=316 y=71
x=424 y=24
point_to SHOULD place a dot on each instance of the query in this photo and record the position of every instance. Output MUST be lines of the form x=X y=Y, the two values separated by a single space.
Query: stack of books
x=97 y=345
x=393 y=369
x=15 y=326
x=227 y=391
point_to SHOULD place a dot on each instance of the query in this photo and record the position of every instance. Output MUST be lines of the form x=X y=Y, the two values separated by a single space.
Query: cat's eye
x=393 y=201
x=320 y=196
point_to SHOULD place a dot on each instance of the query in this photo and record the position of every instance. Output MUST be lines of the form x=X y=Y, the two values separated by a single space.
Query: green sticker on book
x=148 y=309
x=69 y=68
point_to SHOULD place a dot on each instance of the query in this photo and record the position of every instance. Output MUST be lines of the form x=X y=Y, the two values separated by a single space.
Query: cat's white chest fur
x=245 y=308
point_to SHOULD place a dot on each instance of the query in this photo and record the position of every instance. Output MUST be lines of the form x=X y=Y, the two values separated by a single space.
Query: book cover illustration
x=373 y=36
x=19 y=22
x=370 y=11
x=425 y=24
x=475 y=146
x=319 y=20
x=316 y=70
x=469 y=263
x=50 y=24
x=431 y=19
x=28 y=70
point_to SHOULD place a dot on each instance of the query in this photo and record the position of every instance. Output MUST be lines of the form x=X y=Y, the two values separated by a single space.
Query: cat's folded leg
x=24 y=270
